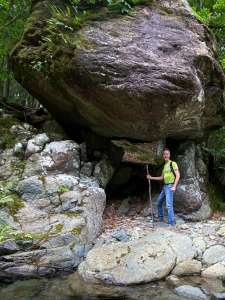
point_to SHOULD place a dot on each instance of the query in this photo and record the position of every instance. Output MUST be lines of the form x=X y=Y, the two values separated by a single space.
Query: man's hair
x=166 y=149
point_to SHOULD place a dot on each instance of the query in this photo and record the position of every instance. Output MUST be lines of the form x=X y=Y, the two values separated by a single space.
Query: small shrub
x=63 y=189
x=5 y=231
x=216 y=197
x=12 y=201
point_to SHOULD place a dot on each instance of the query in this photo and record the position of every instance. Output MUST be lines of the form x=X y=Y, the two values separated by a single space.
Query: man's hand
x=149 y=177
x=173 y=188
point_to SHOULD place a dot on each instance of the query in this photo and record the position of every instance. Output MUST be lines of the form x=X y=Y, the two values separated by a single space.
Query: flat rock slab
x=147 y=259
x=140 y=153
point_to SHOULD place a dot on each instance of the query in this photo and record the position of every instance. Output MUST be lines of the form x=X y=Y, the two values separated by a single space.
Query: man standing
x=170 y=176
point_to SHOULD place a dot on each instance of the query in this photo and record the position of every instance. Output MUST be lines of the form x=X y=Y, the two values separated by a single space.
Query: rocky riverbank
x=52 y=201
x=134 y=252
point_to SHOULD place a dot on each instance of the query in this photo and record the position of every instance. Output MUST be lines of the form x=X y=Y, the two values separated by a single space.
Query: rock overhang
x=146 y=76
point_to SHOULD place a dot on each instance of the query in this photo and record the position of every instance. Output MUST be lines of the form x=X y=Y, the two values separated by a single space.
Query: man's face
x=166 y=155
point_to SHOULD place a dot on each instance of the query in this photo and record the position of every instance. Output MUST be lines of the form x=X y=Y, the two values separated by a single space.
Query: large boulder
x=145 y=76
x=192 y=197
x=143 y=260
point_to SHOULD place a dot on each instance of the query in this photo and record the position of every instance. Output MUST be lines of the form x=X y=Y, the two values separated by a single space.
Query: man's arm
x=177 y=172
x=155 y=178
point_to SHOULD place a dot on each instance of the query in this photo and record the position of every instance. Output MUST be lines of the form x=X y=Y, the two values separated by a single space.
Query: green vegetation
x=13 y=15
x=67 y=19
x=212 y=13
x=12 y=201
x=7 y=139
x=216 y=144
x=72 y=214
x=216 y=148
x=76 y=231
x=216 y=197
x=58 y=228
x=63 y=189
x=6 y=233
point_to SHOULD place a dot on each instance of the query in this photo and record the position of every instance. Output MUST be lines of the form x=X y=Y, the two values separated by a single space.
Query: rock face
x=192 y=197
x=146 y=76
x=50 y=213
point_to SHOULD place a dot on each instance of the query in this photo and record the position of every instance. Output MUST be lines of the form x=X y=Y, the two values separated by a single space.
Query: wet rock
x=214 y=254
x=190 y=292
x=31 y=264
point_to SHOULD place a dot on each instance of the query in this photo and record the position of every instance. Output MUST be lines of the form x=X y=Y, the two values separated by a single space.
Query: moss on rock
x=76 y=230
x=7 y=139
x=13 y=202
x=216 y=197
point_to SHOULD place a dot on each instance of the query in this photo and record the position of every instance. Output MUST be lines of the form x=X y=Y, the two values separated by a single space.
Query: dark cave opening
x=127 y=191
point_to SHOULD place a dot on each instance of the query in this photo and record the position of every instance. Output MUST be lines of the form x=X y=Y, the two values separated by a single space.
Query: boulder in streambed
x=144 y=260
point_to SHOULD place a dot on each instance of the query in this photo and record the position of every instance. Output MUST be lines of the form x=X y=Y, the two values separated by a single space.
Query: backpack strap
x=172 y=169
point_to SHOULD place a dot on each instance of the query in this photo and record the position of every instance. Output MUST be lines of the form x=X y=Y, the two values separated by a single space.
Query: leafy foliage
x=216 y=144
x=212 y=13
x=13 y=14
x=216 y=196
x=68 y=18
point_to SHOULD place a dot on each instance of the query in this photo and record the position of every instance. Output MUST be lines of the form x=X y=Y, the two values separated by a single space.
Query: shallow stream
x=70 y=287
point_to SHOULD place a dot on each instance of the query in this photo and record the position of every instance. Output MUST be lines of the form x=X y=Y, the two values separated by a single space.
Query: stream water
x=70 y=287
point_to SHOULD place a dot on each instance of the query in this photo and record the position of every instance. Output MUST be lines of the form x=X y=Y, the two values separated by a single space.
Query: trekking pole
x=150 y=195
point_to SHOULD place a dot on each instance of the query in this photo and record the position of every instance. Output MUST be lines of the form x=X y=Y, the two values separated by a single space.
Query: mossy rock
x=72 y=214
x=12 y=201
x=58 y=228
x=76 y=230
x=216 y=143
x=7 y=139
x=216 y=197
